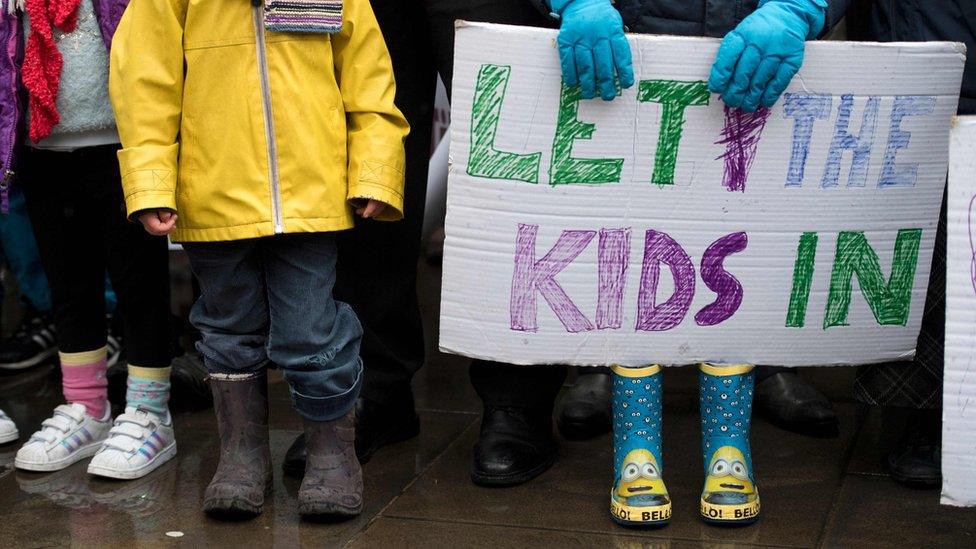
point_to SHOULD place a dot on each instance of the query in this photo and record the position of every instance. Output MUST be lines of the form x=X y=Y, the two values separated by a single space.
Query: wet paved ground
x=816 y=492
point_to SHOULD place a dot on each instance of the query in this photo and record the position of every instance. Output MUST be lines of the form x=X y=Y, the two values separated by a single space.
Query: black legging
x=76 y=208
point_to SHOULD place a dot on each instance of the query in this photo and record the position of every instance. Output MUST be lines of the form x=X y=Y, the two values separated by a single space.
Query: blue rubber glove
x=593 y=50
x=759 y=57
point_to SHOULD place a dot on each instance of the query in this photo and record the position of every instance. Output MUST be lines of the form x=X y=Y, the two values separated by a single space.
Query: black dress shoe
x=790 y=403
x=916 y=462
x=586 y=406
x=515 y=446
x=377 y=425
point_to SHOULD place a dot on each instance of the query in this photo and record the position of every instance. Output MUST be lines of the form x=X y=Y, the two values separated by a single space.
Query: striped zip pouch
x=307 y=16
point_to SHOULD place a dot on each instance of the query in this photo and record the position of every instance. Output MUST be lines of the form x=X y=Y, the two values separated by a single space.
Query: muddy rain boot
x=243 y=476
x=333 y=485
x=638 y=497
x=730 y=495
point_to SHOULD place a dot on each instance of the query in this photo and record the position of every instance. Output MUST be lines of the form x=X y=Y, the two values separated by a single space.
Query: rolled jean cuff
x=216 y=366
x=328 y=408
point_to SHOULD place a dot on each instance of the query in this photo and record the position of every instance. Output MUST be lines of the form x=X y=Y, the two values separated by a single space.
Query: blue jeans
x=19 y=250
x=270 y=299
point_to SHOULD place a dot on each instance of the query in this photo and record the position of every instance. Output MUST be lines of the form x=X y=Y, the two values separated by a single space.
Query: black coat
x=921 y=20
x=700 y=17
x=696 y=17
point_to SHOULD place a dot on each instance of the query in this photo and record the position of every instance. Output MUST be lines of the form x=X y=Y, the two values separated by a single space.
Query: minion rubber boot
x=639 y=497
x=730 y=496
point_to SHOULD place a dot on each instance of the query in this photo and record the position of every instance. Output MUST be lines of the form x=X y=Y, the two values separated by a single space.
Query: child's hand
x=158 y=222
x=372 y=209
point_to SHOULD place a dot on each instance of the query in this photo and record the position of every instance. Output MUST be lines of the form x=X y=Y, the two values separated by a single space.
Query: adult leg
x=378 y=261
x=916 y=386
x=515 y=443
x=315 y=340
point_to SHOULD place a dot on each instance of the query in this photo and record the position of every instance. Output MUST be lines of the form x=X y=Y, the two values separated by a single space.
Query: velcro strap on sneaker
x=69 y=411
x=128 y=430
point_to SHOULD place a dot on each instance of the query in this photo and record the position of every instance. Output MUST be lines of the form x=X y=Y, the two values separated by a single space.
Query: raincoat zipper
x=269 y=132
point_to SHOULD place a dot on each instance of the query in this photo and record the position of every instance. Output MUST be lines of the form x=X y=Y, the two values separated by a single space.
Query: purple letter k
x=533 y=276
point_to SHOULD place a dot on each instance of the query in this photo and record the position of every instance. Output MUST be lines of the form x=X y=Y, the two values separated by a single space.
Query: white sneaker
x=8 y=430
x=68 y=436
x=139 y=442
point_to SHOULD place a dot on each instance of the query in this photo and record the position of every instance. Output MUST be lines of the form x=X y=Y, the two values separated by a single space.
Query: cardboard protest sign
x=959 y=390
x=662 y=227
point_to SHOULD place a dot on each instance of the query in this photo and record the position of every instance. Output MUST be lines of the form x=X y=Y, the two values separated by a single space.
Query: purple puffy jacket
x=108 y=13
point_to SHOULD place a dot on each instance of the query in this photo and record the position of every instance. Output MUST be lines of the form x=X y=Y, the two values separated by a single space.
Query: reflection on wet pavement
x=827 y=492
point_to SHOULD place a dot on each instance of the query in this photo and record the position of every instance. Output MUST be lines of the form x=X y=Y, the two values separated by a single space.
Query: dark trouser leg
x=377 y=267
x=77 y=210
x=505 y=385
x=516 y=431
x=916 y=460
x=586 y=406
x=916 y=384
x=496 y=384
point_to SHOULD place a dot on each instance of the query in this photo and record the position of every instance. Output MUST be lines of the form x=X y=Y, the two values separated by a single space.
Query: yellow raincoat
x=248 y=133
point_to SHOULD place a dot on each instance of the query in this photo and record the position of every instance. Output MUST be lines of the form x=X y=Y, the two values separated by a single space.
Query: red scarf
x=41 y=70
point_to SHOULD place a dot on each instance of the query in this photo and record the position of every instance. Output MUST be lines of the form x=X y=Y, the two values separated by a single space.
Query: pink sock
x=83 y=380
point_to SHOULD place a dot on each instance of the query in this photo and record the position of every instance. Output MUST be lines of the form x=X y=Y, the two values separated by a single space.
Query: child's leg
x=20 y=249
x=730 y=495
x=34 y=341
x=232 y=317
x=315 y=340
x=61 y=194
x=639 y=497
x=138 y=266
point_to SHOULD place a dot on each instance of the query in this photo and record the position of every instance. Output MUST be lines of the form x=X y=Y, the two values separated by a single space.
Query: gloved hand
x=593 y=50
x=759 y=57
